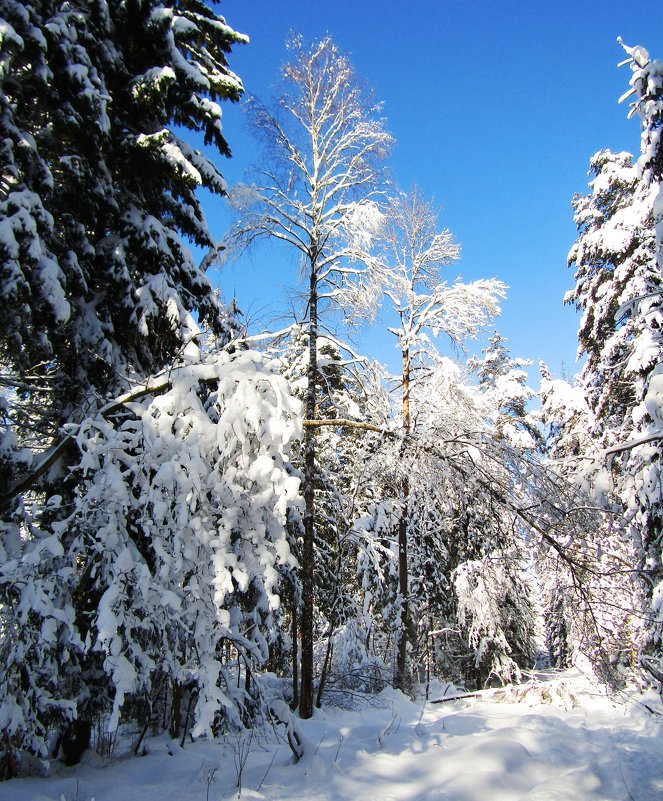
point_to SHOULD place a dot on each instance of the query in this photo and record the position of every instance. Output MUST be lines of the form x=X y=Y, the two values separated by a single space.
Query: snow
x=8 y=35
x=580 y=745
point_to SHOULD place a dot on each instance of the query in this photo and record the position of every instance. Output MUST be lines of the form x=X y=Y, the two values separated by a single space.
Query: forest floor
x=561 y=739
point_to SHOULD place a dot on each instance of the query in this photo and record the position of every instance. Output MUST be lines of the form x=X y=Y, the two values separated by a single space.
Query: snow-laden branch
x=655 y=436
x=346 y=423
x=155 y=385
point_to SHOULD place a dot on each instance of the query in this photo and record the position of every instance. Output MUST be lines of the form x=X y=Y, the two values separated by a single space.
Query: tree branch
x=155 y=385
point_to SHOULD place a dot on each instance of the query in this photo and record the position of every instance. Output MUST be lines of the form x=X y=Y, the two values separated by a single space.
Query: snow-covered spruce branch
x=626 y=308
x=613 y=450
x=630 y=444
x=157 y=384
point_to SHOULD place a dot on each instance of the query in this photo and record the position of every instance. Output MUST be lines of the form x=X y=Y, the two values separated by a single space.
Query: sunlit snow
x=558 y=740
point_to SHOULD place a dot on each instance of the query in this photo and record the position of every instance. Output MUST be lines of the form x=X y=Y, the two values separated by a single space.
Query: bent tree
x=412 y=255
x=316 y=185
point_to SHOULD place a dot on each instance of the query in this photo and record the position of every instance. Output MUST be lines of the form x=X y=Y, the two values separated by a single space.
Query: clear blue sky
x=496 y=108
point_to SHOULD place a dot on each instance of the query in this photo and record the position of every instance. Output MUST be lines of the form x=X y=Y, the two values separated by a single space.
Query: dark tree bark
x=400 y=673
x=308 y=549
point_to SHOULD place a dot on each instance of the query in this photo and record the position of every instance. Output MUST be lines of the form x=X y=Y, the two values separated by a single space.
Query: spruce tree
x=98 y=201
x=98 y=194
x=502 y=381
x=619 y=290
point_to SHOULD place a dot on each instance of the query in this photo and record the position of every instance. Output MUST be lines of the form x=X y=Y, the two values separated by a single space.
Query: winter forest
x=206 y=525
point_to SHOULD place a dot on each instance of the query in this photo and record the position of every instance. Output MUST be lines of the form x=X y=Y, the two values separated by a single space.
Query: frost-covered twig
x=628 y=792
x=241 y=750
x=209 y=779
x=447 y=698
x=388 y=728
x=269 y=767
x=340 y=743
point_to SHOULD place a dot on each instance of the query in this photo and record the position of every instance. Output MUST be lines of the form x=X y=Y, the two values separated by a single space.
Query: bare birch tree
x=412 y=254
x=324 y=146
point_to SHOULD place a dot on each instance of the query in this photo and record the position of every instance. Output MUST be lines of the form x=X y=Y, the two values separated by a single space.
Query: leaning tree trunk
x=306 y=693
x=400 y=672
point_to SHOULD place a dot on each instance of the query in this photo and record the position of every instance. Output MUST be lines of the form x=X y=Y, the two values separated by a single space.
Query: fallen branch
x=456 y=697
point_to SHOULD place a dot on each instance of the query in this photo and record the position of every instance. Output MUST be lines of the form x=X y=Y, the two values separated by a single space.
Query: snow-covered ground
x=580 y=745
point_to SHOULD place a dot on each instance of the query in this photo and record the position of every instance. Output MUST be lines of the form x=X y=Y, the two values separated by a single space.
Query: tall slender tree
x=325 y=146
x=411 y=257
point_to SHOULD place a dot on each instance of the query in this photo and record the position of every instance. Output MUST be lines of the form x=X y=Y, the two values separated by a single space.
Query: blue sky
x=496 y=108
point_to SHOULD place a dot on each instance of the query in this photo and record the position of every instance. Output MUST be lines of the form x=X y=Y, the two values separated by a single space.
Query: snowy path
x=472 y=750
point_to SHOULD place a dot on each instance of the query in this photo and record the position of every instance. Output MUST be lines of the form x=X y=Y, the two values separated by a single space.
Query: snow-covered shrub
x=353 y=666
x=169 y=565
x=494 y=617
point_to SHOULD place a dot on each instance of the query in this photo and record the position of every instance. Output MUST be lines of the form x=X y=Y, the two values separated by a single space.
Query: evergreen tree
x=98 y=191
x=644 y=453
x=615 y=269
x=619 y=290
x=647 y=91
x=503 y=385
x=97 y=199
x=171 y=562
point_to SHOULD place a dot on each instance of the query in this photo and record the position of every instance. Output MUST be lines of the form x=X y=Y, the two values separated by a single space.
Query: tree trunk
x=325 y=668
x=176 y=710
x=306 y=692
x=400 y=673
x=295 y=655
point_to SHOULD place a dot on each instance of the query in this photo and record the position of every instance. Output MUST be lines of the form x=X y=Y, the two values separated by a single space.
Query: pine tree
x=174 y=554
